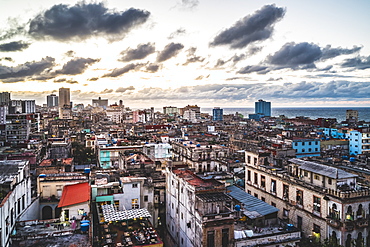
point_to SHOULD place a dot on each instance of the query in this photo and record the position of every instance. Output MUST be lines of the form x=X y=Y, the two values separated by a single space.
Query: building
x=64 y=102
x=359 y=142
x=99 y=102
x=20 y=126
x=170 y=110
x=4 y=98
x=262 y=107
x=15 y=107
x=75 y=201
x=194 y=108
x=197 y=210
x=352 y=115
x=15 y=195
x=323 y=202
x=28 y=106
x=3 y=112
x=52 y=100
x=217 y=114
x=306 y=147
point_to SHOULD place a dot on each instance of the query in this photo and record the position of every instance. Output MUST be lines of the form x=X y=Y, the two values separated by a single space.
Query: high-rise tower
x=263 y=107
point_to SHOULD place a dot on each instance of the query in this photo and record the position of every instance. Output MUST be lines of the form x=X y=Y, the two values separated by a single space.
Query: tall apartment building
x=52 y=100
x=99 y=102
x=19 y=127
x=352 y=114
x=262 y=107
x=4 y=98
x=196 y=210
x=170 y=110
x=15 y=196
x=64 y=103
x=359 y=142
x=217 y=114
x=28 y=106
x=322 y=201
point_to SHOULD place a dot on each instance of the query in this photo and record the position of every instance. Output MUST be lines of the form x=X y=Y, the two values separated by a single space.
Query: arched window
x=348 y=240
x=359 y=211
x=359 y=240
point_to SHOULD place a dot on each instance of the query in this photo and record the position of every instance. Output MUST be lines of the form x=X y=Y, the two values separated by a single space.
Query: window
x=316 y=142
x=255 y=161
x=316 y=228
x=225 y=237
x=210 y=238
x=302 y=143
x=263 y=199
x=273 y=186
x=248 y=159
x=309 y=143
x=285 y=212
x=305 y=173
x=273 y=204
x=316 y=149
x=135 y=203
x=299 y=197
x=303 y=150
x=182 y=216
x=296 y=144
x=145 y=198
x=134 y=185
x=317 y=177
x=285 y=191
x=317 y=204
x=256 y=195
x=329 y=181
x=310 y=150
x=249 y=192
x=263 y=181
x=255 y=178
x=249 y=175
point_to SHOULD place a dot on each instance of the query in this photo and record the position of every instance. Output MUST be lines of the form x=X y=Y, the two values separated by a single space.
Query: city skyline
x=226 y=54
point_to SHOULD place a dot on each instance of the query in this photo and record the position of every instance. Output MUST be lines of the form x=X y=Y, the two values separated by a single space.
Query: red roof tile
x=74 y=194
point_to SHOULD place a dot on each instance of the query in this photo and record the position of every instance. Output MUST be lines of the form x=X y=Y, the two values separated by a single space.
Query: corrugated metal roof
x=253 y=207
x=321 y=169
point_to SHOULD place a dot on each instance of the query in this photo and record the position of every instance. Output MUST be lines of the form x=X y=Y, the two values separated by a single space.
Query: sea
x=312 y=112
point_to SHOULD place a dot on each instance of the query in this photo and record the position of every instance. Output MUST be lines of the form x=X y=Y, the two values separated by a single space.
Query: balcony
x=349 y=226
x=362 y=223
x=334 y=223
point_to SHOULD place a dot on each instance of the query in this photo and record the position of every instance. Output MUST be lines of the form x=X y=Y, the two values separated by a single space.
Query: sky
x=213 y=53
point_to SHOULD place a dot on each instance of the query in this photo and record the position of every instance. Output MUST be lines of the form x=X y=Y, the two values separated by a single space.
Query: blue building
x=262 y=107
x=306 y=147
x=218 y=114
x=359 y=142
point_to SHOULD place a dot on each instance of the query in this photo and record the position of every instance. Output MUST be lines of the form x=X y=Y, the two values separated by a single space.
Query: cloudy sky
x=178 y=52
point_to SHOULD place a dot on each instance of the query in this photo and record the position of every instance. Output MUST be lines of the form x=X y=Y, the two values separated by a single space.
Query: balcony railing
x=334 y=223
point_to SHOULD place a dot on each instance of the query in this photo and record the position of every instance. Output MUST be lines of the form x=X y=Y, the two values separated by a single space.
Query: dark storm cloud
x=254 y=68
x=14 y=28
x=152 y=68
x=141 y=51
x=178 y=32
x=93 y=79
x=329 y=52
x=288 y=92
x=124 y=89
x=169 y=51
x=357 y=62
x=252 y=28
x=81 y=21
x=70 y=53
x=292 y=54
x=192 y=58
x=76 y=66
x=120 y=71
x=9 y=59
x=14 y=46
x=27 y=69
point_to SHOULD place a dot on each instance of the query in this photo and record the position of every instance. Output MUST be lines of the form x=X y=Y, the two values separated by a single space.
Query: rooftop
x=321 y=169
x=252 y=206
x=194 y=180
x=74 y=194
x=9 y=169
